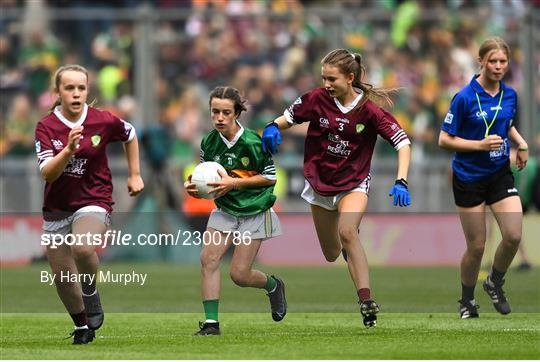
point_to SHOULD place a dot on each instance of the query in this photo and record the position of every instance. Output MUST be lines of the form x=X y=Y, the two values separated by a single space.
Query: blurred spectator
x=423 y=131
x=39 y=56
x=268 y=49
x=19 y=132
x=113 y=51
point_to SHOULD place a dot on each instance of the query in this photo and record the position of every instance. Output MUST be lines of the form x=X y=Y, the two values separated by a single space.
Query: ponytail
x=348 y=63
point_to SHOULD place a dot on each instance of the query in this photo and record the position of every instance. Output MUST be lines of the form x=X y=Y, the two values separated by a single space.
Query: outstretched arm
x=282 y=123
x=271 y=137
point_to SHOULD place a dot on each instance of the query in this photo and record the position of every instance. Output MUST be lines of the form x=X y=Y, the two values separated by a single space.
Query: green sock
x=270 y=284
x=211 y=309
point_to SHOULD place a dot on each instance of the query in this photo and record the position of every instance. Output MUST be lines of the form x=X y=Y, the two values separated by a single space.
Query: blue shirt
x=464 y=120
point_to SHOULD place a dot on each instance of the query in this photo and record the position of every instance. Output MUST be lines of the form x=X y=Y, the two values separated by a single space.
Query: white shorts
x=330 y=202
x=63 y=226
x=261 y=226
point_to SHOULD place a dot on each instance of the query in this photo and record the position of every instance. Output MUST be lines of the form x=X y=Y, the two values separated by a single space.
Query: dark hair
x=58 y=77
x=229 y=93
x=348 y=63
x=494 y=43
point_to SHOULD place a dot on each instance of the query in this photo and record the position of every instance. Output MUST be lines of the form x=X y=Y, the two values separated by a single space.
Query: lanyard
x=494 y=117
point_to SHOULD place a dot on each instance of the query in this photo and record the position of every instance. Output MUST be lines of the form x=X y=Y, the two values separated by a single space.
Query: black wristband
x=402 y=182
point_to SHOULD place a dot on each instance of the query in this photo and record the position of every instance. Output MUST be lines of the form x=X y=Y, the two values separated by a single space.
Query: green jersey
x=242 y=157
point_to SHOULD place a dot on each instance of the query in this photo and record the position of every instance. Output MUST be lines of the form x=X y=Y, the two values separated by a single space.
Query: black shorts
x=496 y=187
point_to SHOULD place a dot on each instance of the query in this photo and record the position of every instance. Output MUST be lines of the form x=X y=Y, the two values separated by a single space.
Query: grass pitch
x=418 y=320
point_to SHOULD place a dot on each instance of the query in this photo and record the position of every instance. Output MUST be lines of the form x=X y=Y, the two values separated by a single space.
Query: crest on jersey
x=38 y=146
x=360 y=127
x=245 y=161
x=96 y=139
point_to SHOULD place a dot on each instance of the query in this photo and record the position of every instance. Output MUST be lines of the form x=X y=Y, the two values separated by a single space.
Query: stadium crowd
x=268 y=49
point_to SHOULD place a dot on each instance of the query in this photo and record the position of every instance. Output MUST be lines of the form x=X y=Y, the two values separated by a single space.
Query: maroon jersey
x=86 y=180
x=340 y=142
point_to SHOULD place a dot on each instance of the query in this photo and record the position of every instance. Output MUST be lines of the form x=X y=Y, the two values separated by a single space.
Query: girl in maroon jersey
x=70 y=145
x=344 y=123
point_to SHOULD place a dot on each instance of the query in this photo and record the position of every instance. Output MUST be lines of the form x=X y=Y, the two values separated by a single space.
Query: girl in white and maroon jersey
x=70 y=146
x=344 y=123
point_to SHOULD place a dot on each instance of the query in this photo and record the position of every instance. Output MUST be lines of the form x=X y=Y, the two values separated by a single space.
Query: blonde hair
x=348 y=63
x=494 y=43
x=58 y=77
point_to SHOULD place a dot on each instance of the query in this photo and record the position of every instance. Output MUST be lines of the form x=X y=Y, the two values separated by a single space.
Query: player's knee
x=209 y=260
x=512 y=238
x=83 y=253
x=476 y=250
x=348 y=234
x=240 y=276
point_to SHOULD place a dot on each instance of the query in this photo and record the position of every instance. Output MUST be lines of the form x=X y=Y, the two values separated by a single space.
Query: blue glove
x=271 y=138
x=400 y=191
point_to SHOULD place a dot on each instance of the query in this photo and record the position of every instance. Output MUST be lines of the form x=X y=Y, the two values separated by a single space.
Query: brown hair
x=58 y=77
x=232 y=94
x=494 y=43
x=348 y=63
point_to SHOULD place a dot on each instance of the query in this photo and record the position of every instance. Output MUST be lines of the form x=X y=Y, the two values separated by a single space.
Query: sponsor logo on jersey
x=57 y=144
x=76 y=166
x=342 y=120
x=360 y=127
x=449 y=117
x=496 y=108
x=334 y=137
x=96 y=139
x=38 y=146
x=503 y=151
x=229 y=158
x=324 y=123
x=245 y=161
x=340 y=149
x=512 y=190
x=481 y=114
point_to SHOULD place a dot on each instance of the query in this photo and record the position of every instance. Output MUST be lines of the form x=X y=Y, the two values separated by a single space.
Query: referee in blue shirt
x=478 y=128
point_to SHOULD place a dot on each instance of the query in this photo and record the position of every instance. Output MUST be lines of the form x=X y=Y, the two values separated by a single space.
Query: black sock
x=496 y=276
x=467 y=293
x=88 y=288
x=79 y=319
